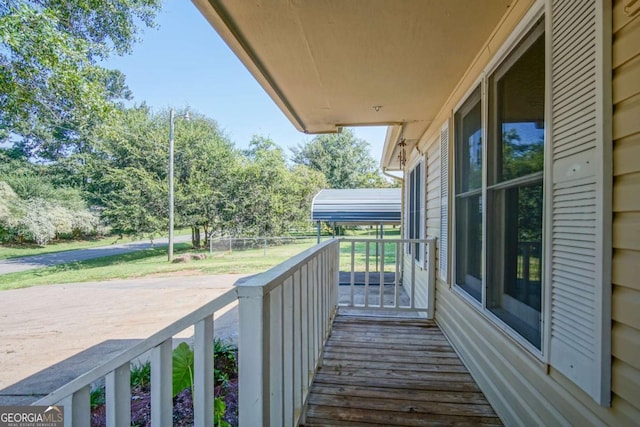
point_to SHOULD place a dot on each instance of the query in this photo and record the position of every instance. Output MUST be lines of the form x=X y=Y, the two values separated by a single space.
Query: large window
x=512 y=193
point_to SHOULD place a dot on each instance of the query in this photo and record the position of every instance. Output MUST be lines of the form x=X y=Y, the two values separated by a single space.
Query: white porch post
x=253 y=350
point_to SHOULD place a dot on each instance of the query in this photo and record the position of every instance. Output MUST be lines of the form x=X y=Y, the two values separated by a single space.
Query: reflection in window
x=469 y=244
x=515 y=188
x=522 y=149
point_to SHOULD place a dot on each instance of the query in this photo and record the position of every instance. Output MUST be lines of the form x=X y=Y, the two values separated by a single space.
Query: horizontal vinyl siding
x=421 y=282
x=626 y=210
x=516 y=383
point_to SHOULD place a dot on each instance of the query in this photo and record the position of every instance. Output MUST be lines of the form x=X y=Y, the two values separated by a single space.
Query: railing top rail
x=385 y=240
x=263 y=283
x=140 y=348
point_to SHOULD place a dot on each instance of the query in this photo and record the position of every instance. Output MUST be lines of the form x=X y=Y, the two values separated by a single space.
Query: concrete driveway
x=50 y=334
x=46 y=260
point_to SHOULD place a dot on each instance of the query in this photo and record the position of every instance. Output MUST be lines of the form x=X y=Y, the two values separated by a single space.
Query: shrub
x=36 y=224
x=85 y=223
x=62 y=219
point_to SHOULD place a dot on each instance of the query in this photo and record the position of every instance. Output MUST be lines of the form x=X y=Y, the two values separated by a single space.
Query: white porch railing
x=285 y=319
x=388 y=274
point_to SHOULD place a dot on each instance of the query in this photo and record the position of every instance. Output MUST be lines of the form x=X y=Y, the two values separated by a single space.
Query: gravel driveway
x=43 y=329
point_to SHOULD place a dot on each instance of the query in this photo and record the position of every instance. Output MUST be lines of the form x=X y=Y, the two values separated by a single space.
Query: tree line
x=117 y=182
x=74 y=161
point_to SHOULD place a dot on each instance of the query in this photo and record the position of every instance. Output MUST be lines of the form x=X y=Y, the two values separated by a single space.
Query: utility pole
x=172 y=116
x=171 y=119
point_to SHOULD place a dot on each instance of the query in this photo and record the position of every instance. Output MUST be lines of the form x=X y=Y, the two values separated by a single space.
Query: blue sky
x=185 y=63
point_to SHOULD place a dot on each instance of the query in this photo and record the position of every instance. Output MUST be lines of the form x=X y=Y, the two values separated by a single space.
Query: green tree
x=343 y=159
x=126 y=172
x=267 y=197
x=52 y=89
x=204 y=157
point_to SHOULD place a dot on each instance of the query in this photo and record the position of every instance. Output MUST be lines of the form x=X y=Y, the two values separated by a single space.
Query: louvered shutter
x=579 y=310
x=443 y=250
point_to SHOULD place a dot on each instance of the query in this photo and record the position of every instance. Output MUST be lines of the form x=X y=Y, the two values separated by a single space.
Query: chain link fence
x=233 y=243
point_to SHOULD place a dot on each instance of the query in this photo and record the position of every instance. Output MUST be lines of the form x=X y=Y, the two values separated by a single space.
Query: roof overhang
x=334 y=63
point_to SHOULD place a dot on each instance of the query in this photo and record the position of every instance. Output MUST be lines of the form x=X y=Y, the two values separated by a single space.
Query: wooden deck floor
x=393 y=372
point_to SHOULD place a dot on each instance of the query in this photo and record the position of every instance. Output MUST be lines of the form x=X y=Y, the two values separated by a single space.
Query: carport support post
x=377 y=248
x=382 y=238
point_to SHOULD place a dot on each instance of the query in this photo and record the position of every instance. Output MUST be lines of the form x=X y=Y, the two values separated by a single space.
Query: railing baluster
x=287 y=351
x=118 y=396
x=77 y=408
x=161 y=385
x=366 y=274
x=382 y=274
x=297 y=345
x=313 y=349
x=353 y=273
x=413 y=277
x=304 y=330
x=203 y=373
x=317 y=343
x=431 y=278
x=396 y=283
x=276 y=367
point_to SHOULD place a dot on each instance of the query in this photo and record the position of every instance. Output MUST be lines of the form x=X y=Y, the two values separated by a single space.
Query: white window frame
x=520 y=32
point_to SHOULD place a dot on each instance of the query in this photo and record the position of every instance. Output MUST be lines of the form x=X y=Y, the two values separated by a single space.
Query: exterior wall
x=626 y=207
x=523 y=389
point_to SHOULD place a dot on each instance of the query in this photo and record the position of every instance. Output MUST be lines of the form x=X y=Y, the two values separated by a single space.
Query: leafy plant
x=224 y=355
x=182 y=368
x=141 y=375
x=96 y=397
x=219 y=409
x=224 y=360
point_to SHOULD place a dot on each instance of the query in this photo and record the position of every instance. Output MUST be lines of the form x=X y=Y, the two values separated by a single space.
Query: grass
x=151 y=262
x=17 y=251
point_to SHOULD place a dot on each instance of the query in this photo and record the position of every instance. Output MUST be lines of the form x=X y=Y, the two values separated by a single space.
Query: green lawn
x=17 y=251
x=154 y=261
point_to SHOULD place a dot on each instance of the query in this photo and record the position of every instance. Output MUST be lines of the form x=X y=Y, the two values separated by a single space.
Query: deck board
x=393 y=372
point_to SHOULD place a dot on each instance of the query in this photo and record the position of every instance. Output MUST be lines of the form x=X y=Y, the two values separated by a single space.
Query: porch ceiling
x=333 y=63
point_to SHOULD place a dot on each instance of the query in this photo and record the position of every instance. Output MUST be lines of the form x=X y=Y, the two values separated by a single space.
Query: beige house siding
x=523 y=389
x=626 y=207
x=431 y=186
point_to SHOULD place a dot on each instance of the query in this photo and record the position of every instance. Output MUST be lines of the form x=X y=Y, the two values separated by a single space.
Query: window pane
x=515 y=242
x=417 y=204
x=520 y=115
x=415 y=213
x=469 y=144
x=469 y=244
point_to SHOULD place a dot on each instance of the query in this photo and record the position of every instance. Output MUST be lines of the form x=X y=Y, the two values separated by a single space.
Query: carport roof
x=358 y=206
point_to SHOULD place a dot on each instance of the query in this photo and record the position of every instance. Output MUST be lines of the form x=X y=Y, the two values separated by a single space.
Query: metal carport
x=362 y=206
